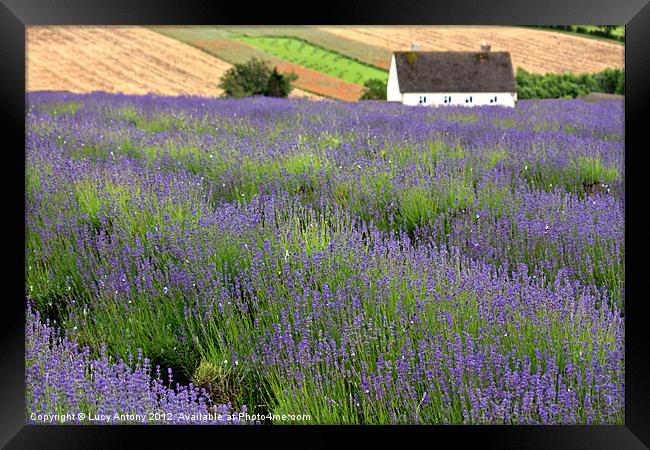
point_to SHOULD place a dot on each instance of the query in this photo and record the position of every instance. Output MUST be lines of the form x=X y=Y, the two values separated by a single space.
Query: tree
x=375 y=89
x=608 y=29
x=255 y=77
x=279 y=85
x=569 y=85
x=611 y=81
x=246 y=79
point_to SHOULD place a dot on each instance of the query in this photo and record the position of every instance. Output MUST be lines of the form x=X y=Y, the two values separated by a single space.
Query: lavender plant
x=64 y=384
x=359 y=263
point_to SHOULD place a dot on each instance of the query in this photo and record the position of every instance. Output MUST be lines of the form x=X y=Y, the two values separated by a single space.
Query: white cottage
x=452 y=78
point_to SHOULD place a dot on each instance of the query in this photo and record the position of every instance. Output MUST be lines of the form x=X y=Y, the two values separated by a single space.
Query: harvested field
x=537 y=51
x=221 y=38
x=129 y=60
x=354 y=49
x=321 y=83
x=218 y=42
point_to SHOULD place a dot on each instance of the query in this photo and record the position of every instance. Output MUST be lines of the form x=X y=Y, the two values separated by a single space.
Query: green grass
x=317 y=58
x=419 y=204
x=68 y=108
x=580 y=173
x=155 y=123
x=617 y=35
x=360 y=51
x=589 y=170
x=619 y=31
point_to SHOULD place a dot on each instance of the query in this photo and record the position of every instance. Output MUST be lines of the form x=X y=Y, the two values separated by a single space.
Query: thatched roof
x=455 y=72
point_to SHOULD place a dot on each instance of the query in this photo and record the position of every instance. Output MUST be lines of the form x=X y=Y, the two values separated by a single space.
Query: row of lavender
x=66 y=385
x=360 y=263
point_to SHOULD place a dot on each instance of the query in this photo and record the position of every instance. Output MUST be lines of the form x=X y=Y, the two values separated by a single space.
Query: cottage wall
x=459 y=99
x=393 y=94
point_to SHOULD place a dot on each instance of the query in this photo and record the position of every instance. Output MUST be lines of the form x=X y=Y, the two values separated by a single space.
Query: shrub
x=606 y=31
x=375 y=89
x=279 y=85
x=255 y=77
x=611 y=81
x=569 y=85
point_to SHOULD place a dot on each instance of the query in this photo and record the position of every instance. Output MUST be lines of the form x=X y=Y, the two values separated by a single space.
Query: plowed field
x=537 y=51
x=130 y=60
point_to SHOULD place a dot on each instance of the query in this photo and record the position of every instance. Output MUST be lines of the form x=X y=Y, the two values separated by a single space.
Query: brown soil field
x=321 y=83
x=536 y=51
x=124 y=59
x=312 y=80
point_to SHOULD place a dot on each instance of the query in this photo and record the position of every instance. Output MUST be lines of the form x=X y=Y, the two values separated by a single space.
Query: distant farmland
x=219 y=40
x=536 y=51
x=317 y=58
x=129 y=60
x=229 y=46
x=331 y=62
x=335 y=61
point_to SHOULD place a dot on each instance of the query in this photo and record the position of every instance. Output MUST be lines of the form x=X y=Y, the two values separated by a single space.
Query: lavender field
x=189 y=260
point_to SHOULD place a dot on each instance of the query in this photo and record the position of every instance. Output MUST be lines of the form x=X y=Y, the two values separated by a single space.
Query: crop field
x=204 y=35
x=224 y=45
x=335 y=61
x=119 y=59
x=317 y=58
x=359 y=51
x=331 y=62
x=287 y=261
x=534 y=50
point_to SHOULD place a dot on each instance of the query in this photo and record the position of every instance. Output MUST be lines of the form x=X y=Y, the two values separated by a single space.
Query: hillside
x=334 y=61
x=234 y=44
x=129 y=60
x=330 y=61
x=536 y=51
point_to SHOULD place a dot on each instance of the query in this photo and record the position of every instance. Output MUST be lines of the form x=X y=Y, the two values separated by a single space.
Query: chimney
x=485 y=47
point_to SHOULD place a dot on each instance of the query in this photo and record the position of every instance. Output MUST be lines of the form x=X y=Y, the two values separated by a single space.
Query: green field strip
x=365 y=53
x=618 y=32
x=216 y=41
x=316 y=58
x=227 y=49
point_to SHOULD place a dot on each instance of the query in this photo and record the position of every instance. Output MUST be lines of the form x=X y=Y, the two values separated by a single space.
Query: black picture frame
x=15 y=15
